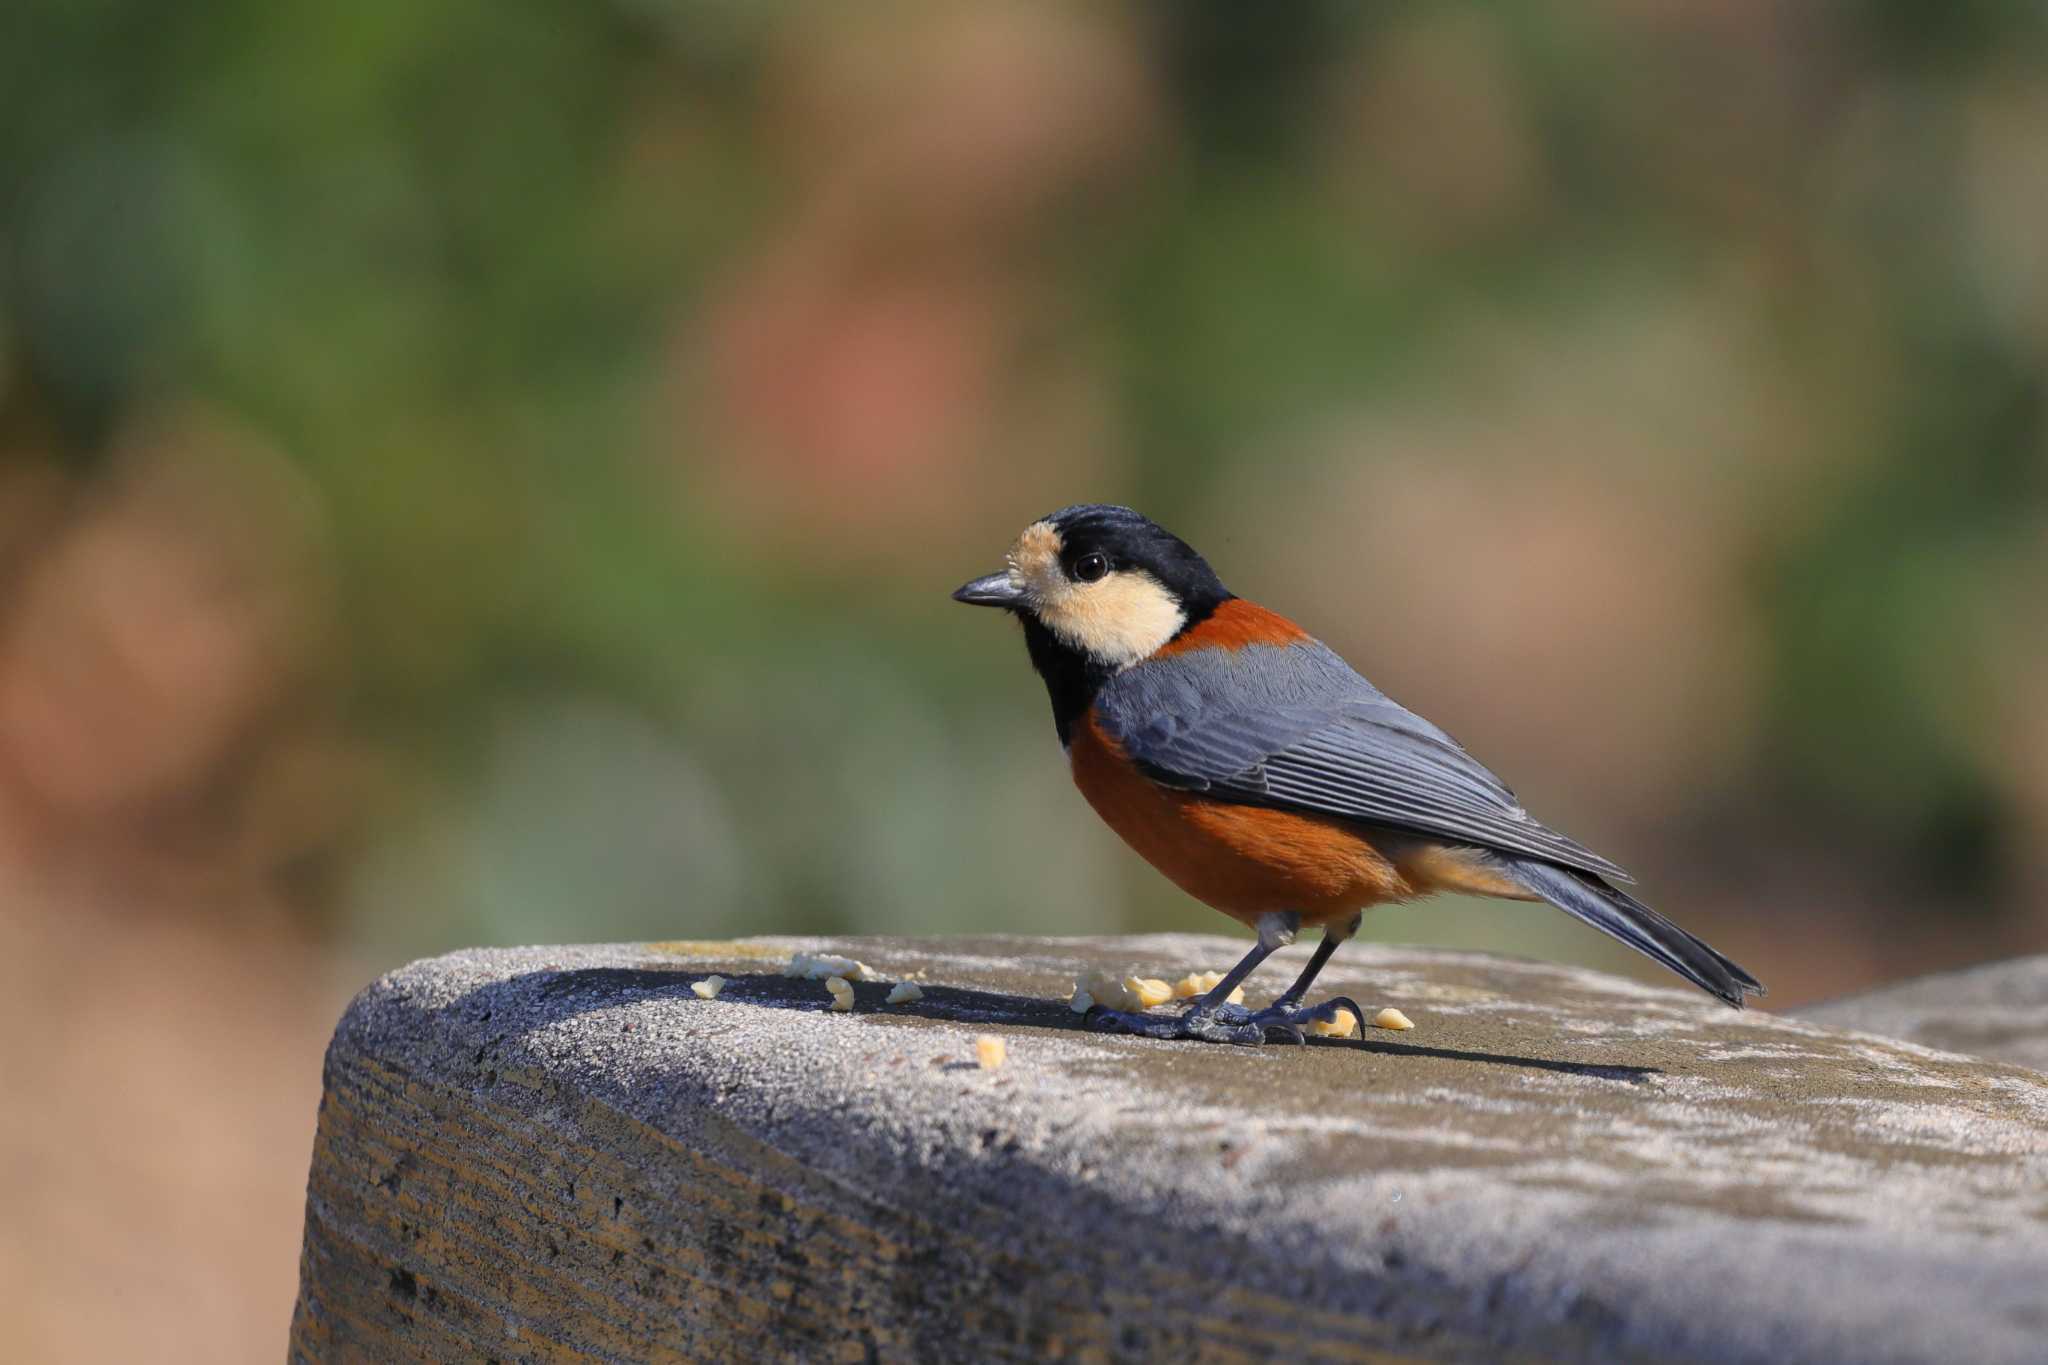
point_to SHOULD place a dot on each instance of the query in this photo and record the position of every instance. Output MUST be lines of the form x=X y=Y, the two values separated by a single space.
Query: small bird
x=1247 y=762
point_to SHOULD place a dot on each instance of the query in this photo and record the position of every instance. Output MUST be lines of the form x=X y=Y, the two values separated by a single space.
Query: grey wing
x=1293 y=726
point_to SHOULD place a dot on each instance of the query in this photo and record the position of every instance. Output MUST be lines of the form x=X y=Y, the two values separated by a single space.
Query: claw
x=1284 y=1019
x=1346 y=1002
x=1295 y=1020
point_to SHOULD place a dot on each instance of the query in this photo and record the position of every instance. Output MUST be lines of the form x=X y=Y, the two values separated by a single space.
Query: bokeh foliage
x=1653 y=393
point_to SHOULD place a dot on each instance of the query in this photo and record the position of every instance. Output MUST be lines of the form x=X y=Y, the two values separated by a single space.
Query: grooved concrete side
x=562 y=1153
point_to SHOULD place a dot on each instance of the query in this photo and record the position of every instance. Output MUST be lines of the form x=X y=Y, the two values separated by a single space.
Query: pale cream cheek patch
x=1119 y=619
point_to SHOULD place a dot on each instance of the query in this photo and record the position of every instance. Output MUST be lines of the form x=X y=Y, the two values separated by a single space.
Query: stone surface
x=1999 y=1010
x=564 y=1153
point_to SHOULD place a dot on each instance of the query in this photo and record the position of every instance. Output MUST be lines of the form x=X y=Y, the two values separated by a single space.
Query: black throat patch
x=1071 y=678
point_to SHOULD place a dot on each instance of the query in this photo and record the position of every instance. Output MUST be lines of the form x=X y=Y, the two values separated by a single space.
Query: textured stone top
x=1553 y=1164
x=1999 y=1010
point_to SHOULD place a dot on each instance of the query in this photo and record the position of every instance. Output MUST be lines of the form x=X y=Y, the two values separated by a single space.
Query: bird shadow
x=541 y=998
x=1631 y=1075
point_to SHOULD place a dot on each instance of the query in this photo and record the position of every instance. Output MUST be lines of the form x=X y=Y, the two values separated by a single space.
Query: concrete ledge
x=1998 y=1010
x=563 y=1153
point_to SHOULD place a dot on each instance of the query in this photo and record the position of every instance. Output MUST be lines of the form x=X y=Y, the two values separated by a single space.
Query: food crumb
x=1119 y=992
x=1201 y=983
x=1147 y=991
x=1392 y=1018
x=842 y=992
x=1339 y=1027
x=709 y=987
x=903 y=992
x=1104 y=989
x=1135 y=992
x=819 y=966
x=990 y=1051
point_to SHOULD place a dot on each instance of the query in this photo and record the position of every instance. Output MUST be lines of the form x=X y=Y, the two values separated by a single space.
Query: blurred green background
x=483 y=473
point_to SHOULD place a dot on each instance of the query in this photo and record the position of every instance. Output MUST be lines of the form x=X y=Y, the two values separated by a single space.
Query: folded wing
x=1293 y=726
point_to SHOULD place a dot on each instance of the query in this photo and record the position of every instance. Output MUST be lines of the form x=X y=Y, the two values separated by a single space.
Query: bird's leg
x=1212 y=1018
x=1333 y=937
x=1276 y=931
x=1286 y=1014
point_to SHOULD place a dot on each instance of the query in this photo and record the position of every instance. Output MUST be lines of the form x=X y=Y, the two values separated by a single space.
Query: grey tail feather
x=1585 y=896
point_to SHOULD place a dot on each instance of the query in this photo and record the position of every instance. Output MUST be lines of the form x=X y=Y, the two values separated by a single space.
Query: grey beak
x=992 y=590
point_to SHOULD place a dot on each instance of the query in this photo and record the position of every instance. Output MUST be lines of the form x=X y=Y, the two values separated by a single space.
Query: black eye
x=1088 y=568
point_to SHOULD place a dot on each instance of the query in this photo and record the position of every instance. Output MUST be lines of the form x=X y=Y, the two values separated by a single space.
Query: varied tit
x=1252 y=766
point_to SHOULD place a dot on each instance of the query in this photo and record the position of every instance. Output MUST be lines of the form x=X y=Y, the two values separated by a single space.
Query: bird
x=1260 y=773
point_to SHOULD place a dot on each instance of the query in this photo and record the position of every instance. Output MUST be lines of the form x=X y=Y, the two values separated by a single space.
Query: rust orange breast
x=1242 y=860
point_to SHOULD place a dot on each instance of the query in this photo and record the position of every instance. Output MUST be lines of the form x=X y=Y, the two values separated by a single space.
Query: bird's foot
x=1227 y=1023
x=1289 y=1018
x=1224 y=1024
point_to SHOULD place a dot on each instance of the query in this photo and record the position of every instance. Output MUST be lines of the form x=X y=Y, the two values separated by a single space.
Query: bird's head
x=1101 y=583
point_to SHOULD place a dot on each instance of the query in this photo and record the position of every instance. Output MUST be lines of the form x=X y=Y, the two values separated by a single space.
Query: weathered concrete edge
x=1223 y=1314
x=1997 y=1010
x=1419 y=1305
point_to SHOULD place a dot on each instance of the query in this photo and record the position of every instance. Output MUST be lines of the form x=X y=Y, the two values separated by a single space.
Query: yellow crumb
x=1135 y=992
x=990 y=1052
x=1119 y=992
x=842 y=992
x=1147 y=991
x=818 y=966
x=1392 y=1018
x=1201 y=983
x=1340 y=1027
x=903 y=992
x=709 y=987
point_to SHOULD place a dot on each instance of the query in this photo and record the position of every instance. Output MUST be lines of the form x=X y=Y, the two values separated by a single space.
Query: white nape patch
x=1118 y=620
